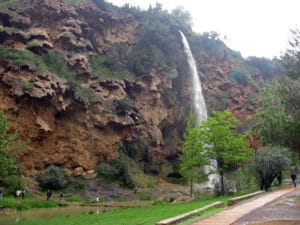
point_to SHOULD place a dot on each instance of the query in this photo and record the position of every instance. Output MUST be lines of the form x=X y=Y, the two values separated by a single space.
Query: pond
x=41 y=213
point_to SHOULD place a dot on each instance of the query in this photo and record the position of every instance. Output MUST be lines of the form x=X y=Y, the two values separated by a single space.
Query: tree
x=273 y=124
x=268 y=164
x=222 y=143
x=214 y=139
x=193 y=156
x=8 y=148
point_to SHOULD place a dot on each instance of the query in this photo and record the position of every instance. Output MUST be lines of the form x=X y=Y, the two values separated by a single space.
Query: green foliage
x=213 y=139
x=20 y=57
x=104 y=68
x=8 y=147
x=6 y=3
x=133 y=215
x=157 y=47
x=211 y=43
x=124 y=105
x=106 y=171
x=144 y=196
x=291 y=58
x=34 y=43
x=52 y=178
x=245 y=180
x=76 y=183
x=268 y=68
x=28 y=203
x=268 y=164
x=239 y=75
x=272 y=122
x=138 y=149
x=12 y=183
x=57 y=64
x=27 y=86
x=8 y=28
x=193 y=155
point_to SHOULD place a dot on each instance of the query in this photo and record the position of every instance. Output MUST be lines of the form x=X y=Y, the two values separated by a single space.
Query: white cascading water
x=199 y=105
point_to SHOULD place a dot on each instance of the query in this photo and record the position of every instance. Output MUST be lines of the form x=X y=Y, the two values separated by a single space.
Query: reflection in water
x=45 y=213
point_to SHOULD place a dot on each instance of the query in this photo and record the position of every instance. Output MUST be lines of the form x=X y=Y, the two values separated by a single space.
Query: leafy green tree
x=193 y=155
x=222 y=142
x=214 y=139
x=290 y=84
x=273 y=124
x=268 y=164
x=8 y=147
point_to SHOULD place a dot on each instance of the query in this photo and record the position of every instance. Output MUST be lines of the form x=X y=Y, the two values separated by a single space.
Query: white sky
x=252 y=27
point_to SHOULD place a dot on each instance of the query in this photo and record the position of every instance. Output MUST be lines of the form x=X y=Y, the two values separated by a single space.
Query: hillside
x=85 y=80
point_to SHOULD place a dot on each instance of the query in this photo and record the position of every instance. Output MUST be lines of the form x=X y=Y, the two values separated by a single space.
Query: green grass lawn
x=128 y=216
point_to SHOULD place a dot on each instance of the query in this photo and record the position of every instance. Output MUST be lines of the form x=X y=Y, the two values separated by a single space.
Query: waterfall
x=200 y=108
x=198 y=99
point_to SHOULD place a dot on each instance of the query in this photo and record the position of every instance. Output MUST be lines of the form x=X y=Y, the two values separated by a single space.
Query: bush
x=52 y=178
x=239 y=75
x=245 y=181
x=124 y=105
x=106 y=171
x=268 y=164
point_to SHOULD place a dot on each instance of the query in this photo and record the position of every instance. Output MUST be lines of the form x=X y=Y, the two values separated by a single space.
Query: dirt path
x=229 y=216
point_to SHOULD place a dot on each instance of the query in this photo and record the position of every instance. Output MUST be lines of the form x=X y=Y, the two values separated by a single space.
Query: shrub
x=52 y=178
x=239 y=75
x=106 y=171
x=245 y=181
x=268 y=164
x=123 y=105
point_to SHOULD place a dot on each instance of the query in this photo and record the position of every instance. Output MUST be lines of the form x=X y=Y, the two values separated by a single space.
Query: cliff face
x=65 y=130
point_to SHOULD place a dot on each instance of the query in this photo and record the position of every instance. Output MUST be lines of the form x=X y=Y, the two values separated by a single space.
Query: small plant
x=124 y=105
x=27 y=86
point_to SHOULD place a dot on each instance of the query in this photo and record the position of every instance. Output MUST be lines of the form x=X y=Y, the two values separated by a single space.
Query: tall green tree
x=214 y=139
x=8 y=147
x=222 y=142
x=273 y=124
x=193 y=156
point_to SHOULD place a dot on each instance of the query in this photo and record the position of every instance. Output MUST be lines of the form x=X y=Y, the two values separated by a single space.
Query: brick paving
x=229 y=216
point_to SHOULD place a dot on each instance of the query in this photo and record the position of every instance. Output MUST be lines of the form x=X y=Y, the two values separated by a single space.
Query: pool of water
x=49 y=213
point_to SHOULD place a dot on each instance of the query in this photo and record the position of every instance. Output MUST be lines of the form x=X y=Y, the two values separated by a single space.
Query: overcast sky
x=252 y=27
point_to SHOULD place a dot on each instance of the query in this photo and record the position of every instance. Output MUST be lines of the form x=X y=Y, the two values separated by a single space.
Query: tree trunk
x=222 y=183
x=191 y=188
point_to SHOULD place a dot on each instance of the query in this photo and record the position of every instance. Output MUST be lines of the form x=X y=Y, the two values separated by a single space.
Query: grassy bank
x=133 y=216
x=28 y=203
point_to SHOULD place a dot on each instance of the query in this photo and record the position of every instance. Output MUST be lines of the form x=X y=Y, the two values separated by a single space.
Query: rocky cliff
x=64 y=128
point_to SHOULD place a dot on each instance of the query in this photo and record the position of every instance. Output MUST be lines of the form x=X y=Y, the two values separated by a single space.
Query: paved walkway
x=229 y=216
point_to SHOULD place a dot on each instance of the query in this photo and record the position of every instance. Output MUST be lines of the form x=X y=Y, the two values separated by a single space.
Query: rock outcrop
x=66 y=131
